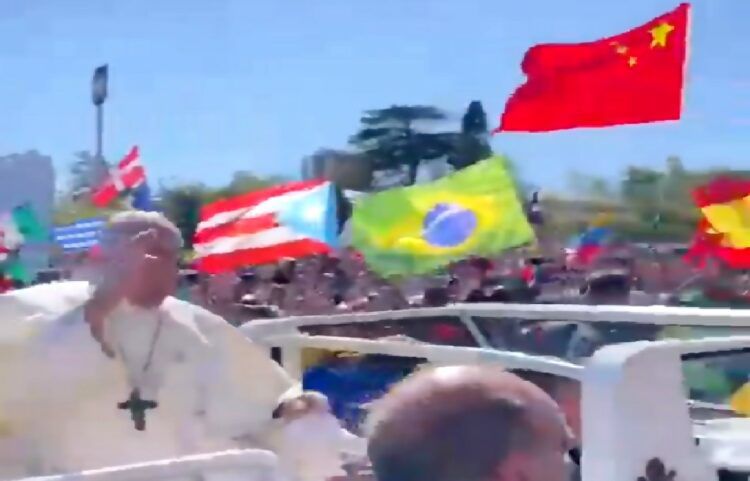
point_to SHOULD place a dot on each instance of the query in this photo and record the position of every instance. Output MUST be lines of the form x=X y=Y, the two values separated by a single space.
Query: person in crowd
x=467 y=423
x=247 y=284
x=726 y=288
x=554 y=338
x=284 y=274
x=189 y=288
x=5 y=284
x=607 y=287
x=435 y=297
x=476 y=296
x=453 y=288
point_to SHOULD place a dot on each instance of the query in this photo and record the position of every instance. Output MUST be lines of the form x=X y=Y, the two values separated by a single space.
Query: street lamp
x=98 y=96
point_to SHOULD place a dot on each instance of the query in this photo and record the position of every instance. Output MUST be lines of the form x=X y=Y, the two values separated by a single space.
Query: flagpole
x=99 y=82
x=99 y=131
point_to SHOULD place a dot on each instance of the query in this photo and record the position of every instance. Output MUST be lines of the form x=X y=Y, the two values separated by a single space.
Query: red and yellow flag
x=740 y=400
x=631 y=78
x=724 y=230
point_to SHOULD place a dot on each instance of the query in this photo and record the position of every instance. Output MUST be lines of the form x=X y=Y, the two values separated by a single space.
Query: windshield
x=718 y=383
x=578 y=340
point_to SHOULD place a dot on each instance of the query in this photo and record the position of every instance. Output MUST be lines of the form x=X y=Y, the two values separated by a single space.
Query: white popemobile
x=638 y=423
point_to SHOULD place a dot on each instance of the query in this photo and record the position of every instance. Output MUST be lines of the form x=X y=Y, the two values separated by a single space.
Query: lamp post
x=98 y=96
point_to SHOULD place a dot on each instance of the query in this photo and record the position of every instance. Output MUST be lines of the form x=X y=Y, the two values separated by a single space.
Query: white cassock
x=215 y=389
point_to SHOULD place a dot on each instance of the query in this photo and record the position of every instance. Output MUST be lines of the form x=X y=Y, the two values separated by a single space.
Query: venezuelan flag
x=724 y=231
x=418 y=229
x=585 y=248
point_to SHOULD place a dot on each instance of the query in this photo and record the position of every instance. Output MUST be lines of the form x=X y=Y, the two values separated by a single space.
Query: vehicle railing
x=634 y=410
x=292 y=345
x=248 y=464
x=467 y=314
x=654 y=315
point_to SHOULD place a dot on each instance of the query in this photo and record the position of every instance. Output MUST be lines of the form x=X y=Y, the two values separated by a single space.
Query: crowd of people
x=341 y=282
x=447 y=423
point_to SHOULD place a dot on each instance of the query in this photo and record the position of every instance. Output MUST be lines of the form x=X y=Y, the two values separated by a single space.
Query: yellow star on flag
x=632 y=61
x=659 y=34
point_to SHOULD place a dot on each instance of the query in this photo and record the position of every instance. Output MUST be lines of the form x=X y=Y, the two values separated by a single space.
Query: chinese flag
x=632 y=78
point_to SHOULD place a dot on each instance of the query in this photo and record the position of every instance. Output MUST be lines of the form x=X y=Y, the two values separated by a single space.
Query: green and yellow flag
x=415 y=230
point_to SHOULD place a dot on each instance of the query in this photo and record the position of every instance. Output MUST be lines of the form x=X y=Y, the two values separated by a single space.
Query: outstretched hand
x=308 y=402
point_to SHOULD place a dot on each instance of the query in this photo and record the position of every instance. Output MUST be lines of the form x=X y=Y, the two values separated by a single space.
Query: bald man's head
x=461 y=423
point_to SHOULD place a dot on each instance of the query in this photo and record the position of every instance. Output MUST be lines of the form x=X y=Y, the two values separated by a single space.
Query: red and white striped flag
x=291 y=220
x=129 y=174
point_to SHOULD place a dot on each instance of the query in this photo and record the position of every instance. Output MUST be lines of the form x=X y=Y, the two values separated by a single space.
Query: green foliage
x=473 y=144
x=651 y=204
x=69 y=210
x=474 y=121
x=182 y=203
x=242 y=182
x=391 y=140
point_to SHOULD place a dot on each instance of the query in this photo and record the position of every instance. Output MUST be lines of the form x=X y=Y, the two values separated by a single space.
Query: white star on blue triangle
x=313 y=215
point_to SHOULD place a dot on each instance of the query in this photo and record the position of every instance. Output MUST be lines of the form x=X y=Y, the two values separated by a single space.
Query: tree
x=73 y=202
x=474 y=121
x=390 y=139
x=473 y=144
x=81 y=173
x=590 y=187
x=68 y=211
x=662 y=199
x=242 y=182
x=182 y=205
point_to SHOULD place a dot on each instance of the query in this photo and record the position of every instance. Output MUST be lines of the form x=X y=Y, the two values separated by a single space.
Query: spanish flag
x=724 y=230
x=740 y=400
x=418 y=229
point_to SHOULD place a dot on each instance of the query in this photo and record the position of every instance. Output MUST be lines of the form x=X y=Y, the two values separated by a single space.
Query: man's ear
x=513 y=467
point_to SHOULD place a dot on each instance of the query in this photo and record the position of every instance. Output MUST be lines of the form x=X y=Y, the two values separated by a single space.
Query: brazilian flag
x=418 y=229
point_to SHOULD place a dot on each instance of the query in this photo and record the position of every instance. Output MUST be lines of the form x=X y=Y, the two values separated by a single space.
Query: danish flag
x=128 y=175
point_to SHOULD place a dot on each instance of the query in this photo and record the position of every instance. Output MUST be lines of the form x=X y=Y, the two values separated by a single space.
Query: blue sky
x=213 y=86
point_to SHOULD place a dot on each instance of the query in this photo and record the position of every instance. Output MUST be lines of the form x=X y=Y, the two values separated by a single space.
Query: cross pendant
x=137 y=408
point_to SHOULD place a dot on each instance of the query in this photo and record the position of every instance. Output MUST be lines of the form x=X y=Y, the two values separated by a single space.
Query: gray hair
x=124 y=226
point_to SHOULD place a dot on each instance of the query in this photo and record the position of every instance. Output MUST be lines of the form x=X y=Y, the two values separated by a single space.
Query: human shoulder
x=173 y=304
x=196 y=318
x=52 y=298
x=43 y=310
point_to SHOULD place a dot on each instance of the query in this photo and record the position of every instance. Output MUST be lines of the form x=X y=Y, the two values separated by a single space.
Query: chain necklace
x=135 y=404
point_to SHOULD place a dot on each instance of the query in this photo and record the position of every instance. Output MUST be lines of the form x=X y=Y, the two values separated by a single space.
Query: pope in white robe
x=72 y=353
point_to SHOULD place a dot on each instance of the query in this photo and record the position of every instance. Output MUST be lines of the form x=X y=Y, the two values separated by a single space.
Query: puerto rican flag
x=128 y=176
x=291 y=220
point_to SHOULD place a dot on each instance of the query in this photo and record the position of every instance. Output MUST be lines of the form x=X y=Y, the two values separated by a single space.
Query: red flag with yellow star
x=632 y=78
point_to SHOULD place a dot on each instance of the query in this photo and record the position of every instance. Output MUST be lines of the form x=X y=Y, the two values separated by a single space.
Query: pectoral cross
x=137 y=408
